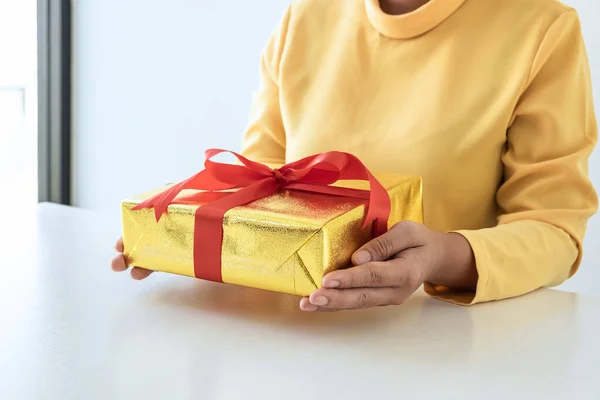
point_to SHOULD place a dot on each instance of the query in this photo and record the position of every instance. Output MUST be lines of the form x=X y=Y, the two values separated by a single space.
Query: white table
x=72 y=329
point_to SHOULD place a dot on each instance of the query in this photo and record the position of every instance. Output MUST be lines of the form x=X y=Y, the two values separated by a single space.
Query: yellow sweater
x=489 y=101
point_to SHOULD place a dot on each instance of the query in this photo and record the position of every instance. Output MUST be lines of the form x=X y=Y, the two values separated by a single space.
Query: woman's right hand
x=118 y=264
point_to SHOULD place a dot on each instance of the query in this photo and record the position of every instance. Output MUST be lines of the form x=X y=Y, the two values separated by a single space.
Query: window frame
x=54 y=23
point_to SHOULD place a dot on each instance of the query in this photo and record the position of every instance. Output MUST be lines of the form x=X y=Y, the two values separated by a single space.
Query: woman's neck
x=398 y=7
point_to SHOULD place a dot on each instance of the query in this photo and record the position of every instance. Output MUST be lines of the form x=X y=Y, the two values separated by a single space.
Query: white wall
x=159 y=81
x=156 y=83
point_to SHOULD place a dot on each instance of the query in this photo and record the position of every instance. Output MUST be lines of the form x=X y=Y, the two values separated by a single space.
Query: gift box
x=274 y=229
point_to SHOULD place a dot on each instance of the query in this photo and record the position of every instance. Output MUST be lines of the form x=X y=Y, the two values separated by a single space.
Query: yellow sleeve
x=264 y=139
x=546 y=197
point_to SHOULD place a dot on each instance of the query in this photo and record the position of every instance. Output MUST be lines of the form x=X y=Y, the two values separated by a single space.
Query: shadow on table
x=420 y=320
x=421 y=328
x=270 y=307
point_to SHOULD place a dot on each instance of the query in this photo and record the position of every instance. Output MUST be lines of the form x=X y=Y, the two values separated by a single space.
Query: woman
x=489 y=101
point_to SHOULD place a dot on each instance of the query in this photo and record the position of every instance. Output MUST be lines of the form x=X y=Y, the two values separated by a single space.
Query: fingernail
x=320 y=301
x=310 y=307
x=332 y=284
x=362 y=257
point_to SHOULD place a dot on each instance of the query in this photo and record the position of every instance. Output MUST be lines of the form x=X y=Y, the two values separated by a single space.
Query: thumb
x=402 y=236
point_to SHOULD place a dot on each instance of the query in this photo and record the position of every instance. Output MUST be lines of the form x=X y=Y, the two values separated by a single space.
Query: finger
x=345 y=299
x=401 y=237
x=119 y=246
x=118 y=263
x=306 y=306
x=140 y=273
x=371 y=275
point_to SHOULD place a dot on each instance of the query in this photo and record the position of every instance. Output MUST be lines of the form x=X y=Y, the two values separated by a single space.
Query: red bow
x=253 y=181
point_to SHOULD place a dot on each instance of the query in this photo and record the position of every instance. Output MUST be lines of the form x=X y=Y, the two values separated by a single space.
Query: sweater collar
x=413 y=24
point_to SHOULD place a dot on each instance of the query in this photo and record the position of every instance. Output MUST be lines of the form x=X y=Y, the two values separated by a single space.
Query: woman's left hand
x=391 y=267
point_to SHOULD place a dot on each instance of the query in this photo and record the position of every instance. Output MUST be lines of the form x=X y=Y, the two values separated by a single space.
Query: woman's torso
x=436 y=105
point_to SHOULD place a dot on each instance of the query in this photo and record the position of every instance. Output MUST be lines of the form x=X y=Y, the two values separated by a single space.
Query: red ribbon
x=253 y=181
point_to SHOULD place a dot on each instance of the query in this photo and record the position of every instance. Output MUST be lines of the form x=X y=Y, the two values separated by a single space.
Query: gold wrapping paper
x=285 y=242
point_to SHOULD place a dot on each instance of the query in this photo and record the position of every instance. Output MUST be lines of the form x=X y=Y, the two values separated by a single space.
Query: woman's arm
x=546 y=198
x=264 y=140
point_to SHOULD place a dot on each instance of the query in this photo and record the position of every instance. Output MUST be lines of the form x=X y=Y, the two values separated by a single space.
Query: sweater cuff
x=463 y=297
